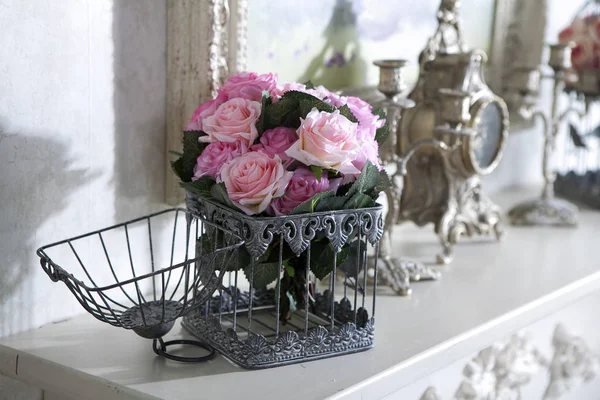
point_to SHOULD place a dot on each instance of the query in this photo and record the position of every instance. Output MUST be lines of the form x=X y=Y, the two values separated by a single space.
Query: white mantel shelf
x=489 y=291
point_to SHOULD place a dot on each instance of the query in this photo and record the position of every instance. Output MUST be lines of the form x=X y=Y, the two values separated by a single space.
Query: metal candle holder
x=549 y=210
x=395 y=272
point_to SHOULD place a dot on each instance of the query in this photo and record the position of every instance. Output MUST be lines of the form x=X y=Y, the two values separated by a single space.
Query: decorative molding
x=573 y=363
x=206 y=42
x=503 y=369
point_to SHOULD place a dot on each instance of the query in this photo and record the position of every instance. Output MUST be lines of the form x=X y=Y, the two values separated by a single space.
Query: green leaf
x=346 y=112
x=263 y=275
x=282 y=113
x=184 y=167
x=382 y=133
x=366 y=181
x=201 y=186
x=177 y=167
x=219 y=193
x=272 y=253
x=317 y=172
x=176 y=153
x=266 y=101
x=306 y=106
x=244 y=257
x=359 y=200
x=306 y=102
x=383 y=183
x=331 y=203
x=309 y=85
x=321 y=257
x=380 y=112
x=309 y=205
x=290 y=271
x=344 y=189
x=350 y=263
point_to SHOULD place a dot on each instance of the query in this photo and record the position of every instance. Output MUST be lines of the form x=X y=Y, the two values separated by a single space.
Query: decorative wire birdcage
x=578 y=175
x=578 y=169
x=145 y=273
x=294 y=321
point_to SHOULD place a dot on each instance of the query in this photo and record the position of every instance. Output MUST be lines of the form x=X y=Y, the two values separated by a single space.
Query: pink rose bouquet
x=273 y=150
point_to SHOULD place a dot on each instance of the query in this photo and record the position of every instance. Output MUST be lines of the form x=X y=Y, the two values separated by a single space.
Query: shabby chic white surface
x=489 y=292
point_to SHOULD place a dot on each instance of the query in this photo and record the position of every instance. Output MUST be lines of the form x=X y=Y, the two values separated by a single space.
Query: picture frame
x=206 y=42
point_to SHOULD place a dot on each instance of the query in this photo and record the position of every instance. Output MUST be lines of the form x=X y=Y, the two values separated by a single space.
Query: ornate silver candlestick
x=394 y=271
x=549 y=210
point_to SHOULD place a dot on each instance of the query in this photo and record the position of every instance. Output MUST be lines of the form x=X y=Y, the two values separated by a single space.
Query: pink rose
x=276 y=141
x=336 y=100
x=369 y=150
x=215 y=155
x=204 y=110
x=253 y=180
x=583 y=55
x=248 y=85
x=368 y=123
x=566 y=35
x=302 y=187
x=326 y=140
x=319 y=92
x=287 y=87
x=233 y=120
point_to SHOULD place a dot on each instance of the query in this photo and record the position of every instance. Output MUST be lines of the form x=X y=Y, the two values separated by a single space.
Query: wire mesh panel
x=302 y=291
x=145 y=273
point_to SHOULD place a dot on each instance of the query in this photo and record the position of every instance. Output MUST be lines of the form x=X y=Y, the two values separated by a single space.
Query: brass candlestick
x=395 y=272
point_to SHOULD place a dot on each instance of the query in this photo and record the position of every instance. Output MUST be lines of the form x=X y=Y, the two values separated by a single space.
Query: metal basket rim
x=192 y=196
x=67 y=275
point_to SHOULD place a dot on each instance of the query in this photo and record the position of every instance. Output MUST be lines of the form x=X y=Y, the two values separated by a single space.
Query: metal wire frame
x=181 y=286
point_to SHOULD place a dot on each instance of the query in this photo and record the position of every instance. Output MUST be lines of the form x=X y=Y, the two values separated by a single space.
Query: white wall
x=82 y=122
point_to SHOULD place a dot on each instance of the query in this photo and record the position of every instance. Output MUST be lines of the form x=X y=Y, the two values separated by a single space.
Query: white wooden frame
x=206 y=42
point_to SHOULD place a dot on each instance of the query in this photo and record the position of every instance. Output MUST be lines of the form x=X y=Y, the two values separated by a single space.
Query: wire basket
x=578 y=177
x=145 y=273
x=333 y=312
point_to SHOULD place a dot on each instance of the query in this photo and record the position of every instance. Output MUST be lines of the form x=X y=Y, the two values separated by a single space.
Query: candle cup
x=391 y=77
x=455 y=106
x=560 y=57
